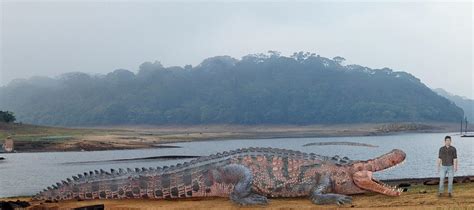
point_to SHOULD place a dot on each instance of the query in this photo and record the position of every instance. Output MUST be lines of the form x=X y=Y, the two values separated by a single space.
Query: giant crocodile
x=247 y=176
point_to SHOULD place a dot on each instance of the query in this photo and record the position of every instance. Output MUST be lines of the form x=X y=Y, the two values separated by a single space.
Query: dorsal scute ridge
x=97 y=175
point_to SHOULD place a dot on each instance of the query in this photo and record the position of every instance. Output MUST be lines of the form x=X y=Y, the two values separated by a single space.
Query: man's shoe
x=450 y=195
x=440 y=194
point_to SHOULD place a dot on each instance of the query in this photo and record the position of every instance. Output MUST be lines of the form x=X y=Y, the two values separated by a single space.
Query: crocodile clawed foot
x=331 y=199
x=343 y=199
x=252 y=199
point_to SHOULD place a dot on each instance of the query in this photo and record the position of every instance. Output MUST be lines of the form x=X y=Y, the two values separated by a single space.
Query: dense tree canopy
x=7 y=117
x=304 y=88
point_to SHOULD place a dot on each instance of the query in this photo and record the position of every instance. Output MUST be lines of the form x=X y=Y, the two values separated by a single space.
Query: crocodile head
x=357 y=176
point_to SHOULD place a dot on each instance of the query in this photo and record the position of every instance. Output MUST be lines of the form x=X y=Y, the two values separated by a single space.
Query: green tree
x=6 y=116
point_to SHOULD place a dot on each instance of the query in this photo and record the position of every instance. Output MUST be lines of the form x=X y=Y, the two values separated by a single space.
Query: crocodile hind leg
x=242 y=179
x=319 y=195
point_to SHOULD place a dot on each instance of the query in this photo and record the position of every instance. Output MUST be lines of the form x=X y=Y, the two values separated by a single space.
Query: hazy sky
x=433 y=41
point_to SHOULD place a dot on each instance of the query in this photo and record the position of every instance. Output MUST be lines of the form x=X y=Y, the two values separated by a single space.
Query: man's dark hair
x=447 y=137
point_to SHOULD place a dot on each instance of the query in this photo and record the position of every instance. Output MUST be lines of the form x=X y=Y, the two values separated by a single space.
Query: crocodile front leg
x=319 y=195
x=242 y=177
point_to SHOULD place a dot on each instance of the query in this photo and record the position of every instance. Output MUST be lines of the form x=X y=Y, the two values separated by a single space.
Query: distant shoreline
x=31 y=138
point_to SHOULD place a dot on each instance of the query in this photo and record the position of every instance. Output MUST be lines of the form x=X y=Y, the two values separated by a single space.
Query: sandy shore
x=418 y=197
x=29 y=138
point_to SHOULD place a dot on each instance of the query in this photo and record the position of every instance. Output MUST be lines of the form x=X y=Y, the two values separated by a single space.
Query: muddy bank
x=140 y=137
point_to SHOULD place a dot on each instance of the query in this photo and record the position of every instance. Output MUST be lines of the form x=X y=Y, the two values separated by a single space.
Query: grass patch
x=56 y=138
x=26 y=132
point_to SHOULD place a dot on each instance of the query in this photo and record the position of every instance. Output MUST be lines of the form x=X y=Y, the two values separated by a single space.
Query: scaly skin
x=248 y=176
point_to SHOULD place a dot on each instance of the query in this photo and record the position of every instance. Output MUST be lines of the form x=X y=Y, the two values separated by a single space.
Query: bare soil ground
x=418 y=197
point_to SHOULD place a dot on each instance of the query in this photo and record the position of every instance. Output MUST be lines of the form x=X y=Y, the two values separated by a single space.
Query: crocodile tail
x=190 y=179
x=98 y=184
x=196 y=178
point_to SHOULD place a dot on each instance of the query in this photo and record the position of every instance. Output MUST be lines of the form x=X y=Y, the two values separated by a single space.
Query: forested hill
x=464 y=103
x=257 y=89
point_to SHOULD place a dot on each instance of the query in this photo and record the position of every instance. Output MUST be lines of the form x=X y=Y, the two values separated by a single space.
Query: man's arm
x=455 y=160
x=438 y=164
x=455 y=165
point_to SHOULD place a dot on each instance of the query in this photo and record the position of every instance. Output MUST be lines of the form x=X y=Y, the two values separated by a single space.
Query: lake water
x=28 y=173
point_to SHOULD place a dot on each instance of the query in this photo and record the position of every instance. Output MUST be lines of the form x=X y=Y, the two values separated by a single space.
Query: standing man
x=447 y=160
